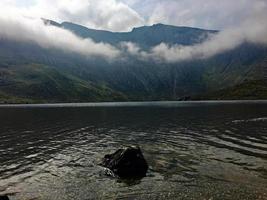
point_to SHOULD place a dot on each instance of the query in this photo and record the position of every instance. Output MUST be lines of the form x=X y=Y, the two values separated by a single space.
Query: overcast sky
x=240 y=21
x=123 y=15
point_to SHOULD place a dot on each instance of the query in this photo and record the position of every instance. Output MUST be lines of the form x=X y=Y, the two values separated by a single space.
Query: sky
x=123 y=15
x=239 y=21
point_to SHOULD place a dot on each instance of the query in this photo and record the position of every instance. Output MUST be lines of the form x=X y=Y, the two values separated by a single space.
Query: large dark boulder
x=4 y=197
x=127 y=162
x=185 y=98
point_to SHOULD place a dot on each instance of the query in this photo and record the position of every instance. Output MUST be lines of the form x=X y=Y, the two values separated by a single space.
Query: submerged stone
x=127 y=162
x=4 y=197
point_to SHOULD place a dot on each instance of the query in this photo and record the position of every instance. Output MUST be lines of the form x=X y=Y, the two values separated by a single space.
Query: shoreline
x=129 y=103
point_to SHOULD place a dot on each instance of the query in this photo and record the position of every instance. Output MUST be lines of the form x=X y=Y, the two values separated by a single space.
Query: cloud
x=24 y=29
x=252 y=30
x=130 y=48
x=123 y=15
x=209 y=14
x=116 y=15
x=99 y=14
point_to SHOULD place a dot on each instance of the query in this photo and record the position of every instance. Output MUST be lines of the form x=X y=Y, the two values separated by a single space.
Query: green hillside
x=32 y=74
x=34 y=83
x=249 y=90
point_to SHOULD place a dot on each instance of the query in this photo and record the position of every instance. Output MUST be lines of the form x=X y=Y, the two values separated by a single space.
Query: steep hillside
x=29 y=73
x=39 y=83
x=249 y=90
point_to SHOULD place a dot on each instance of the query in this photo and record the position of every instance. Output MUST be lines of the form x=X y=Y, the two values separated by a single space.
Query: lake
x=195 y=150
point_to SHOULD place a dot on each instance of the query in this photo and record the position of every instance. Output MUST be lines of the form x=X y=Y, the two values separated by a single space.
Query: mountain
x=249 y=90
x=30 y=73
x=146 y=36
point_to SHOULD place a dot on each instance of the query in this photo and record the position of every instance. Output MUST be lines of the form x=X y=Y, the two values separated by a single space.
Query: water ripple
x=56 y=151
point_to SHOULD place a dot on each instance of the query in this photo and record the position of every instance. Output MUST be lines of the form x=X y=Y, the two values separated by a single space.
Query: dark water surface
x=195 y=150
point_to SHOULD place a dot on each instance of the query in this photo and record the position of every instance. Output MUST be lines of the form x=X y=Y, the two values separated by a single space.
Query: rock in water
x=4 y=198
x=127 y=162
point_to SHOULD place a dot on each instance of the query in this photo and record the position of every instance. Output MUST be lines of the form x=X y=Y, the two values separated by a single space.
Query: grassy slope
x=6 y=98
x=249 y=90
x=42 y=84
x=35 y=83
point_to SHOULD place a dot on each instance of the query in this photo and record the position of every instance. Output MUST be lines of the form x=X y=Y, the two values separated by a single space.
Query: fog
x=23 y=29
x=253 y=29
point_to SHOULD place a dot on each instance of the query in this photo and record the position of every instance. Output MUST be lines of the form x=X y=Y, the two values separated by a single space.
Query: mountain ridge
x=55 y=23
x=144 y=36
x=67 y=75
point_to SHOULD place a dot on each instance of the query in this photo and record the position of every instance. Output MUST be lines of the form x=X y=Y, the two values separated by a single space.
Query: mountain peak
x=150 y=26
x=167 y=27
x=159 y=25
x=50 y=22
x=144 y=36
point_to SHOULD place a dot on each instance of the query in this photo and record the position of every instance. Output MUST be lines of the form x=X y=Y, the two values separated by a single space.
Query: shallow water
x=195 y=150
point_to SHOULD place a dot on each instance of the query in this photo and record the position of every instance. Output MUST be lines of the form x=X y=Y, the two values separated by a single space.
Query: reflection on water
x=206 y=150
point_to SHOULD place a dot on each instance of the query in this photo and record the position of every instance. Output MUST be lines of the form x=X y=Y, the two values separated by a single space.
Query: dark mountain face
x=31 y=73
x=146 y=36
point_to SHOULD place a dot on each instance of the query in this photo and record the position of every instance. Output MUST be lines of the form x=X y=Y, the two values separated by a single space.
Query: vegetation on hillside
x=32 y=74
x=36 y=83
x=249 y=90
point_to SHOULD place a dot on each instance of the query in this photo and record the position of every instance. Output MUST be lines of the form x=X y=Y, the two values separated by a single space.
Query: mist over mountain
x=158 y=62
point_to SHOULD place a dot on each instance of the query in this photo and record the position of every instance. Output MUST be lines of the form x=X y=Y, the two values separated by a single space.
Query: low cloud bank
x=25 y=29
x=19 y=28
x=252 y=30
x=112 y=15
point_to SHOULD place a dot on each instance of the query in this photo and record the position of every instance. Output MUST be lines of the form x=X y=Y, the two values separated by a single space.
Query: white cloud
x=24 y=29
x=253 y=30
x=123 y=15
x=115 y=15
x=209 y=14
x=99 y=14
x=131 y=48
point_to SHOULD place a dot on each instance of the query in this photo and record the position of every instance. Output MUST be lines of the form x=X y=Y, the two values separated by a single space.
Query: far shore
x=128 y=103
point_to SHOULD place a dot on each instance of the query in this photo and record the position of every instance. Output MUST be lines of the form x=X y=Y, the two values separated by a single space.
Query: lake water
x=195 y=150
